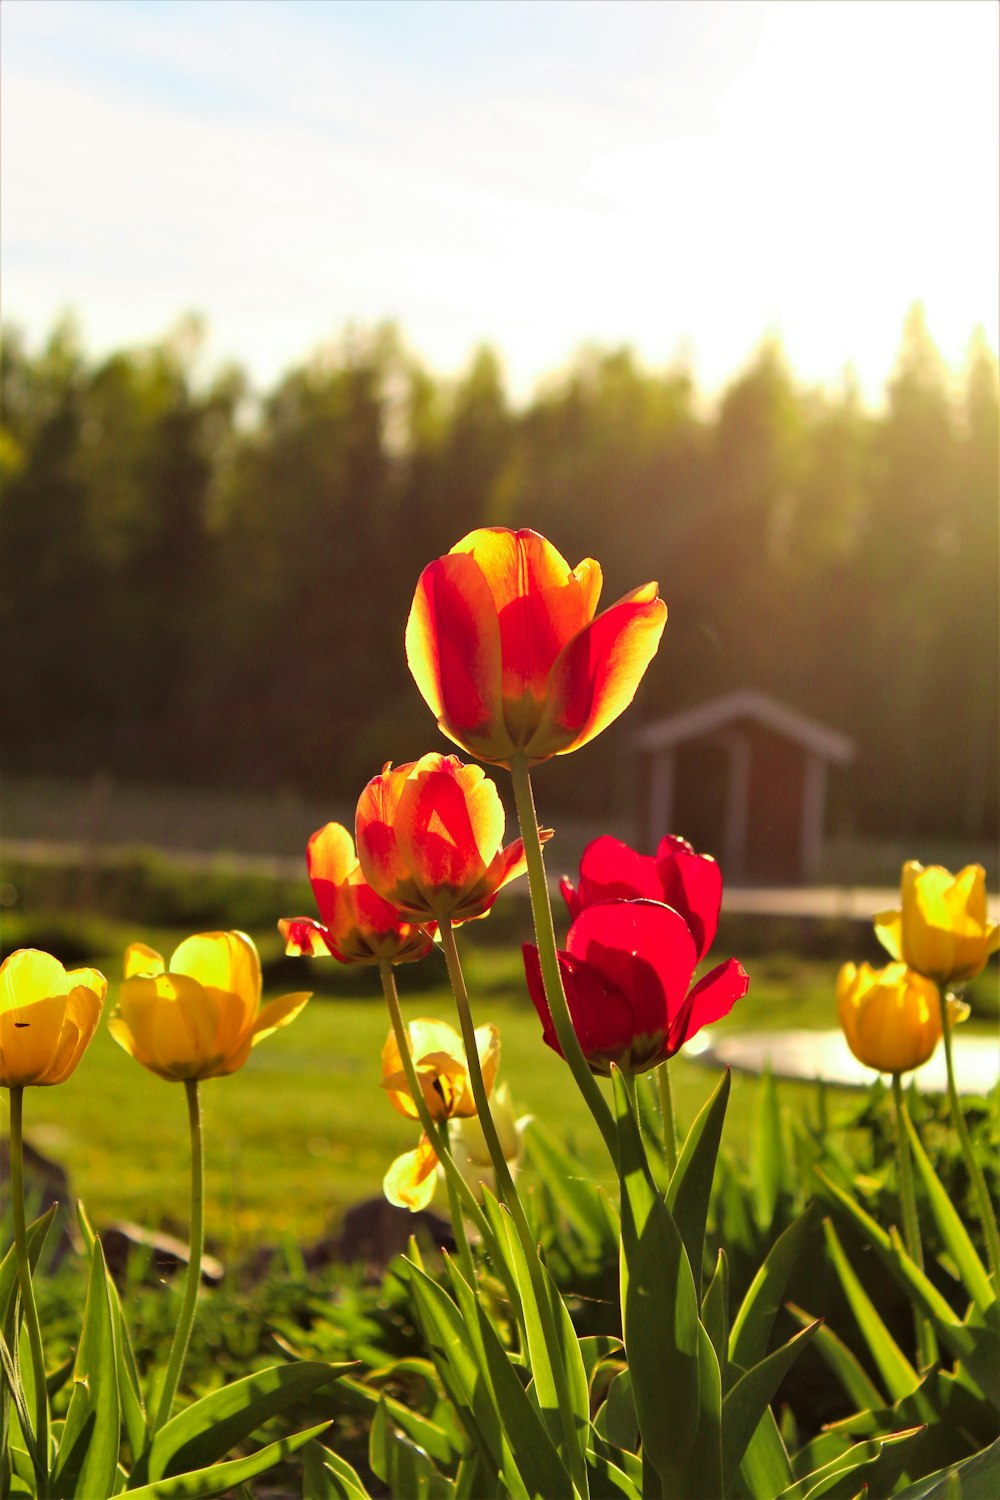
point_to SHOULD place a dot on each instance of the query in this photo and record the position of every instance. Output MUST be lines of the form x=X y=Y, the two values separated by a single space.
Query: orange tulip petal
x=382 y=863
x=596 y=676
x=538 y=599
x=453 y=651
x=305 y=938
x=449 y=825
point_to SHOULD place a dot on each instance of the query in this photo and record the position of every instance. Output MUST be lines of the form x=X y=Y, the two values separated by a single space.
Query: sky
x=685 y=178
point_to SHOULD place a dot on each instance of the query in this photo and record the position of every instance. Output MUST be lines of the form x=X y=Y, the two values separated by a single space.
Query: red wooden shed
x=743 y=777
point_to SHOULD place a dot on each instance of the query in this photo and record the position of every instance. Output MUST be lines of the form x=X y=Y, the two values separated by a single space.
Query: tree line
x=208 y=587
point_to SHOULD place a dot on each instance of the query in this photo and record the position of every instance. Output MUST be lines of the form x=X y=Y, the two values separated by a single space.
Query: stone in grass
x=157 y=1253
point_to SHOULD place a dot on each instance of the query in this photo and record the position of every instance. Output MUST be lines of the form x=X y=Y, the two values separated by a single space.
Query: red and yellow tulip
x=47 y=1017
x=430 y=839
x=358 y=926
x=506 y=646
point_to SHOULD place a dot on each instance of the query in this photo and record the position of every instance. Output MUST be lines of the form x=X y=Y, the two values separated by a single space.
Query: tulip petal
x=30 y=1035
x=382 y=863
x=278 y=1013
x=692 y=884
x=169 y=1023
x=602 y=1016
x=450 y=824
x=330 y=858
x=596 y=675
x=711 y=998
x=611 y=871
x=453 y=651
x=889 y=931
x=589 y=576
x=305 y=938
x=222 y=960
x=28 y=975
x=436 y=1049
x=83 y=1011
x=644 y=950
x=141 y=959
x=539 y=601
x=410 y=1181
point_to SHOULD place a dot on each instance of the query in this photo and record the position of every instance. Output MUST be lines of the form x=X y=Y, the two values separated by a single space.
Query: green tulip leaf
x=755 y=1319
x=553 y=1356
x=401 y=1464
x=418 y=1428
x=976 y=1478
x=659 y=1308
x=856 y=1382
x=612 y=1480
x=850 y=1472
x=539 y=1465
x=222 y=1479
x=765 y=1469
x=87 y=1461
x=771 y=1167
x=715 y=1314
x=898 y=1374
x=325 y=1476
x=690 y=1185
x=450 y=1343
x=35 y=1237
x=584 y=1205
x=129 y=1387
x=953 y=1232
x=212 y=1427
x=747 y=1403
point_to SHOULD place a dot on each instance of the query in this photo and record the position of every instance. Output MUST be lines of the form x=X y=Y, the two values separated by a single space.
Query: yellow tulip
x=943 y=930
x=47 y=1017
x=891 y=1017
x=199 y=1017
x=442 y=1070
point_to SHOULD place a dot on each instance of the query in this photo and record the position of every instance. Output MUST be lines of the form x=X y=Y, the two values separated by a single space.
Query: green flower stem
x=461 y=1238
x=926 y=1350
x=986 y=1212
x=667 y=1113
x=437 y=1136
x=196 y=1236
x=505 y=1182
x=507 y=1190
x=27 y=1291
x=546 y=939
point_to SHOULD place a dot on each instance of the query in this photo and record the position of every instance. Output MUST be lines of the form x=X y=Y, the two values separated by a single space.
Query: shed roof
x=748 y=703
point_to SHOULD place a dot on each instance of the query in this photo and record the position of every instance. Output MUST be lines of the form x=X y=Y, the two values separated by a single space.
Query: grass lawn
x=303 y=1130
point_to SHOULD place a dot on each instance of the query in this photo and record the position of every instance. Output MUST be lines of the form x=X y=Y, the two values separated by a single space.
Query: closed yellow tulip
x=47 y=1017
x=199 y=1016
x=943 y=930
x=891 y=1017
